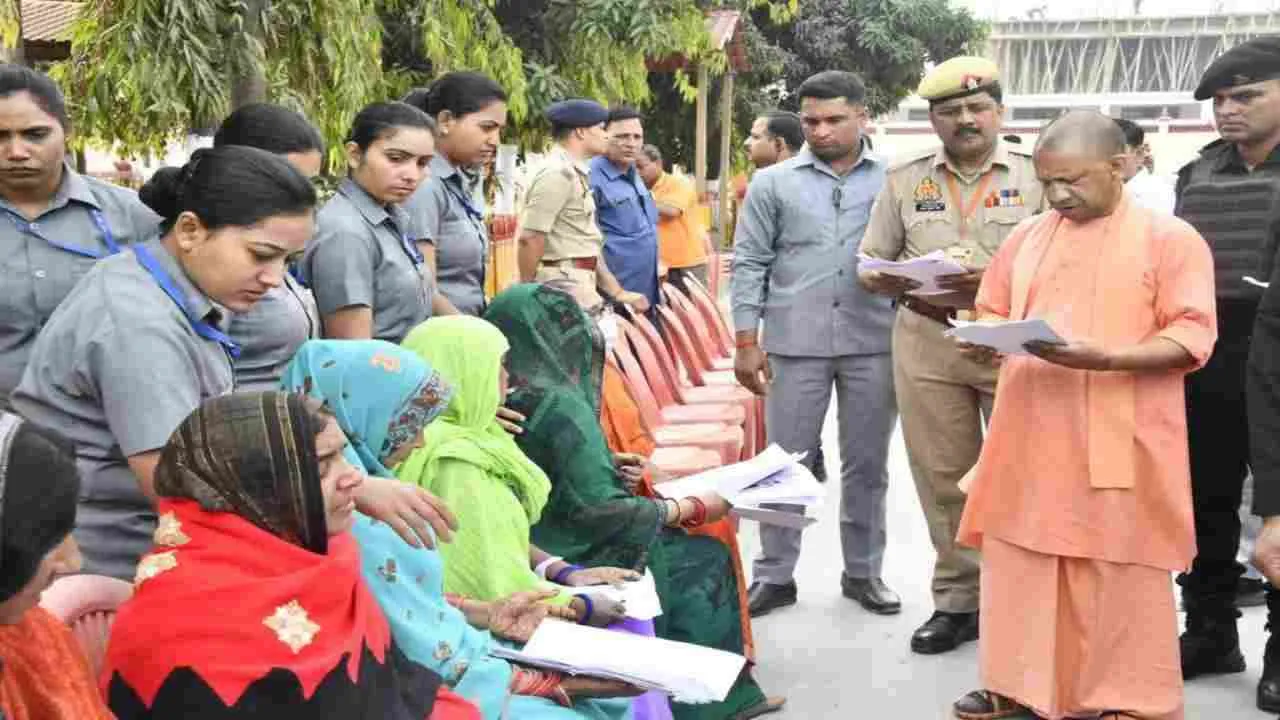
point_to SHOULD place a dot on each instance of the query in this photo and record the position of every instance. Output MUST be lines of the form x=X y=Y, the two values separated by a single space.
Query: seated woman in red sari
x=45 y=675
x=252 y=606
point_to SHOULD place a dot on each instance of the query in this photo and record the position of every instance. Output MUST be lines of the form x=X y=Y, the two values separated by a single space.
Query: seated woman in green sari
x=556 y=361
x=383 y=398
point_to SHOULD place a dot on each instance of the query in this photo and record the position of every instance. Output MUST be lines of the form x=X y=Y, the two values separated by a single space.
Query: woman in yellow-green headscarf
x=475 y=467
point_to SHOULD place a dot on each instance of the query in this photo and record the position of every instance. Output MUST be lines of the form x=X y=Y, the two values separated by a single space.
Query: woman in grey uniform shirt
x=273 y=330
x=57 y=223
x=369 y=277
x=470 y=110
x=141 y=341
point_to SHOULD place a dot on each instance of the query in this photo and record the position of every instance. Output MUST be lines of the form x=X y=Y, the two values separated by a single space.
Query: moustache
x=967 y=131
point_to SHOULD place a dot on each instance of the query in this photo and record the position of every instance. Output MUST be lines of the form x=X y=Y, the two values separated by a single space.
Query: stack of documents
x=925 y=269
x=1005 y=337
x=688 y=673
x=639 y=597
x=774 y=477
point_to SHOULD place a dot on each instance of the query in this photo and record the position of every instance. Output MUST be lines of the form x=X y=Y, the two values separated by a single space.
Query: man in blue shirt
x=625 y=210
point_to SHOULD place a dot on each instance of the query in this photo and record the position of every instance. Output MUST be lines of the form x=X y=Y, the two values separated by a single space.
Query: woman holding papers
x=399 y=397
x=251 y=604
x=555 y=362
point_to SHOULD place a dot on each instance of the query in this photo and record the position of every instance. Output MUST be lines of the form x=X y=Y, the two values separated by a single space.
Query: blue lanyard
x=411 y=249
x=165 y=281
x=99 y=220
x=461 y=196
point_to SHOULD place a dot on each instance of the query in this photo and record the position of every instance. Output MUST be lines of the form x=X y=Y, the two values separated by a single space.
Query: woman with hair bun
x=369 y=277
x=273 y=330
x=57 y=223
x=142 y=339
x=470 y=110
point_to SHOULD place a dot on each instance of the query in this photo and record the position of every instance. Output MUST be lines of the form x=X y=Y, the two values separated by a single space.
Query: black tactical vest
x=1238 y=215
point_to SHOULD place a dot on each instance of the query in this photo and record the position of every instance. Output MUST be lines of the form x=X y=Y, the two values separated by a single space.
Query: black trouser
x=1218 y=432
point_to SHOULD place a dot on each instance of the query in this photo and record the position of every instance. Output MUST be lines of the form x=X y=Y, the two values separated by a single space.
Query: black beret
x=577 y=113
x=1244 y=64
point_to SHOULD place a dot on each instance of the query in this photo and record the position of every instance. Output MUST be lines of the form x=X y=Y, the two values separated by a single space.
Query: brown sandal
x=764 y=707
x=986 y=705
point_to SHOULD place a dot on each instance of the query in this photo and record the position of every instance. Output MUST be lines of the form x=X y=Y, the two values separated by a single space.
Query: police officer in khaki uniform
x=964 y=199
x=559 y=238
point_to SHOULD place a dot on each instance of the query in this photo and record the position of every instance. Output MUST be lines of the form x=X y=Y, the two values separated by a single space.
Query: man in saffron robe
x=1081 y=499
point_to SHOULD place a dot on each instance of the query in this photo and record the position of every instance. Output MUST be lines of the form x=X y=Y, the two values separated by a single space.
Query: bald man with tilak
x=1080 y=501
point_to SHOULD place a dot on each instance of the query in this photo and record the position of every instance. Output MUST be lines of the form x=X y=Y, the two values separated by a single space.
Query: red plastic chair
x=88 y=604
x=706 y=304
x=685 y=394
x=724 y=439
x=659 y=380
x=678 y=462
x=706 y=346
x=692 y=356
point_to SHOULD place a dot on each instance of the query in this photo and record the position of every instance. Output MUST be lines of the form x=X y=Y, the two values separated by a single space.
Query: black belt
x=935 y=313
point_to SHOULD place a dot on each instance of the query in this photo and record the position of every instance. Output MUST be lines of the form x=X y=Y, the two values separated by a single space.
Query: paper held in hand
x=639 y=597
x=925 y=269
x=774 y=477
x=688 y=673
x=1005 y=337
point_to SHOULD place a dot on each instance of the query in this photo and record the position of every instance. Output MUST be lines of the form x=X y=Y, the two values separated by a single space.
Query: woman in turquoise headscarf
x=383 y=398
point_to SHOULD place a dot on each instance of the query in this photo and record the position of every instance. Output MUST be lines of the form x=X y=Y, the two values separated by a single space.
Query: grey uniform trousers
x=866 y=409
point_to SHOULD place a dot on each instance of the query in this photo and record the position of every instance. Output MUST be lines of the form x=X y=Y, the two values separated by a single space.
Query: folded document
x=689 y=673
x=774 y=477
x=925 y=269
x=1005 y=337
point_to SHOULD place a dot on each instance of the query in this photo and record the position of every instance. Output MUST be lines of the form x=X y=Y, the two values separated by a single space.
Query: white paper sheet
x=925 y=269
x=729 y=480
x=771 y=478
x=640 y=597
x=770 y=516
x=689 y=673
x=1008 y=338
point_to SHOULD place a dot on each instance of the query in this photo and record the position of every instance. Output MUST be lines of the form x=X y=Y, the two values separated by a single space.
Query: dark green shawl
x=556 y=363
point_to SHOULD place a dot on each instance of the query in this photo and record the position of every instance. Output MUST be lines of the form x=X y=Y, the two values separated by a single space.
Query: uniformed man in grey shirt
x=86 y=380
x=795 y=273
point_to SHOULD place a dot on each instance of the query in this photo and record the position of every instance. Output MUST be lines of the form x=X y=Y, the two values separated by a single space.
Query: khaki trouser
x=575 y=280
x=942 y=398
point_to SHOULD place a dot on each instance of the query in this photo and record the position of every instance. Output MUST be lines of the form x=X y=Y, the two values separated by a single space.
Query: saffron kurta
x=1089 y=466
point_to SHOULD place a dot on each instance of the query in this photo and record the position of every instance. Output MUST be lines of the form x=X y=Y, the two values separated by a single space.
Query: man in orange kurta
x=1081 y=500
x=682 y=241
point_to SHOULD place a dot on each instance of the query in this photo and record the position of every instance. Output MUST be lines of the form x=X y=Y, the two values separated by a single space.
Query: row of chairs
x=683 y=383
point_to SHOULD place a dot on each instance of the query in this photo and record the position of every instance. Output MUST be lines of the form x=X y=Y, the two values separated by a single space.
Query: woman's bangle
x=562 y=576
x=589 y=609
x=545 y=565
x=699 y=516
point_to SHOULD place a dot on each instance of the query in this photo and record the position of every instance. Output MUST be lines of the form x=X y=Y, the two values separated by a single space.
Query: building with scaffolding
x=1140 y=68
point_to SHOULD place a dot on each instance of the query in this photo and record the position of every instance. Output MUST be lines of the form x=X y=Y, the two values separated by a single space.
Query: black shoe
x=985 y=705
x=1269 y=685
x=1210 y=646
x=819 y=464
x=945 y=632
x=763 y=598
x=1251 y=593
x=872 y=594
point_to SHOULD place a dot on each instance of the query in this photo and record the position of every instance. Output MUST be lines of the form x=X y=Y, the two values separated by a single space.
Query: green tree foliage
x=143 y=72
x=887 y=42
